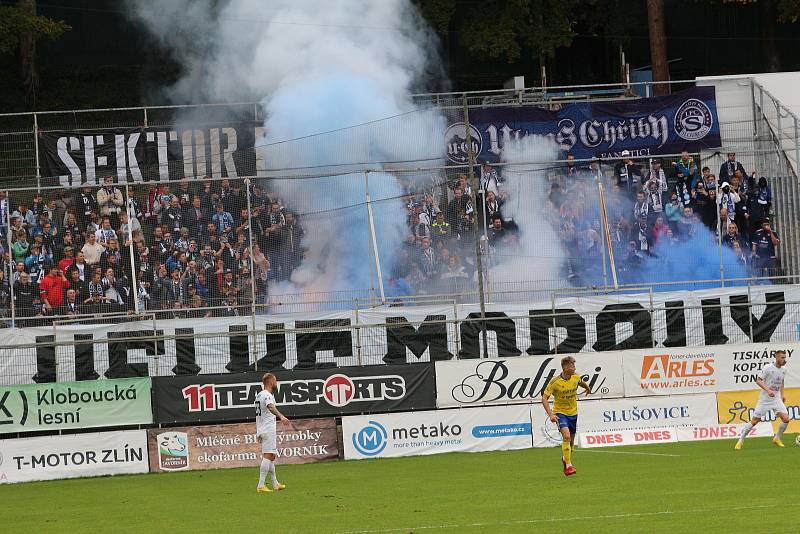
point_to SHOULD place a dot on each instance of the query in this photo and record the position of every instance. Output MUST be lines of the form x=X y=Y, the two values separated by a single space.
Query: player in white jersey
x=772 y=399
x=266 y=414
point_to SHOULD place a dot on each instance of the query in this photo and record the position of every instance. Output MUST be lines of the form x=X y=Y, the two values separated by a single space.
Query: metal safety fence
x=236 y=227
x=151 y=346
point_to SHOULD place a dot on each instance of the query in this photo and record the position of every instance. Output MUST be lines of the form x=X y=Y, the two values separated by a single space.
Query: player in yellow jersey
x=564 y=390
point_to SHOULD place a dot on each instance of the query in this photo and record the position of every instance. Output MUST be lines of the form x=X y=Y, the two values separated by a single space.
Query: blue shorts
x=568 y=421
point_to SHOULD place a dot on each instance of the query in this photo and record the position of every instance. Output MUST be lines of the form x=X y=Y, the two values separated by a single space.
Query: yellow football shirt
x=564 y=393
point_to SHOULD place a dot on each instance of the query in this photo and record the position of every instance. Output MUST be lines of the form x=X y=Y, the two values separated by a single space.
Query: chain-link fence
x=371 y=216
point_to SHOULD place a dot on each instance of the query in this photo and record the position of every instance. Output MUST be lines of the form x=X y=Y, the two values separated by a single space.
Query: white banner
x=400 y=335
x=647 y=412
x=643 y=436
x=521 y=380
x=432 y=432
x=668 y=435
x=707 y=432
x=73 y=456
x=702 y=370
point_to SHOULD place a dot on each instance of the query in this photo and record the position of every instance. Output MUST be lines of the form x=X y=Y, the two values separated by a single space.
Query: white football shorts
x=765 y=406
x=268 y=442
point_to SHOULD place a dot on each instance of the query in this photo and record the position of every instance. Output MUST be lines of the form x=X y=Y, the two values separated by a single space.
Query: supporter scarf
x=656 y=202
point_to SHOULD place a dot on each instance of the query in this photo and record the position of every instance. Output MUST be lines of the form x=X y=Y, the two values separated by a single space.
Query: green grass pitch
x=685 y=487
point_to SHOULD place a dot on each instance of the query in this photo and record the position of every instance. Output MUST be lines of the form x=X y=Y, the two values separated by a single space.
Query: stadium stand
x=71 y=250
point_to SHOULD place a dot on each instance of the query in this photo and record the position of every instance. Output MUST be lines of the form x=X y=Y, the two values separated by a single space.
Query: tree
x=658 y=46
x=20 y=29
x=508 y=29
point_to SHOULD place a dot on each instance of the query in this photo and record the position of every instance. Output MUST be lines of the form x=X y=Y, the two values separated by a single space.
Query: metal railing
x=750 y=132
x=159 y=349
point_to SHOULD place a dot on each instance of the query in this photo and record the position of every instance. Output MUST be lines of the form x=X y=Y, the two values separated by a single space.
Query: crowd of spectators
x=70 y=251
x=654 y=209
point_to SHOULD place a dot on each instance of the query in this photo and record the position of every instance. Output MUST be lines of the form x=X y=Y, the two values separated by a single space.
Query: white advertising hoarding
x=73 y=456
x=647 y=412
x=702 y=369
x=522 y=379
x=437 y=431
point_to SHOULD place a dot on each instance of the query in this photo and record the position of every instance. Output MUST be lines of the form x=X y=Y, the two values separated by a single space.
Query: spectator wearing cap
x=728 y=169
x=68 y=260
x=727 y=198
x=765 y=244
x=629 y=175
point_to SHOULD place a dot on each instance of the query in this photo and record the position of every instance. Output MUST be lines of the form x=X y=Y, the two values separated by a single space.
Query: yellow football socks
x=566 y=451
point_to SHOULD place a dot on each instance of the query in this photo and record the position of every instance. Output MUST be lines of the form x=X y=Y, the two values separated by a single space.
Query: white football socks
x=781 y=430
x=745 y=431
x=262 y=474
x=275 y=482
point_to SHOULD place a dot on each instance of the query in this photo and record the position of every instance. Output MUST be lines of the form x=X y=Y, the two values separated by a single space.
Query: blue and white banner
x=648 y=126
x=493 y=428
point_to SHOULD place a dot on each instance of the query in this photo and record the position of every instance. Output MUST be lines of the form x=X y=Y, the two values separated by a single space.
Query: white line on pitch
x=559 y=519
x=630 y=452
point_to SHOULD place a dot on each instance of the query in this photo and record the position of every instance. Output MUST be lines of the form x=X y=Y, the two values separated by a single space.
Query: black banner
x=335 y=391
x=149 y=154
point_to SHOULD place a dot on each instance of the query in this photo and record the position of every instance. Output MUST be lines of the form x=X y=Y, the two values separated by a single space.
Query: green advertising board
x=64 y=405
